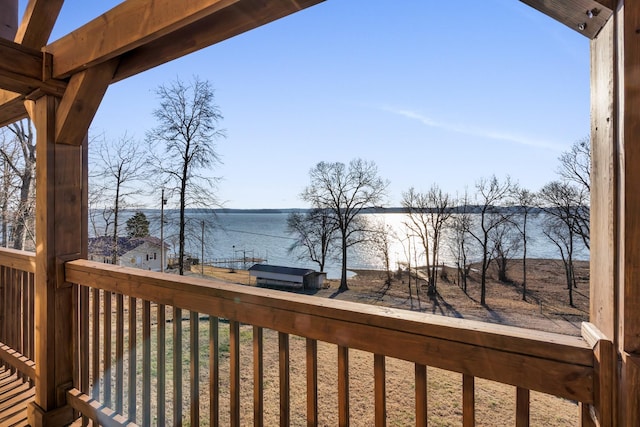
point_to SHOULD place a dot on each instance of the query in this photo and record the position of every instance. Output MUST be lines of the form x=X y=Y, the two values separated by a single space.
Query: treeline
x=491 y=222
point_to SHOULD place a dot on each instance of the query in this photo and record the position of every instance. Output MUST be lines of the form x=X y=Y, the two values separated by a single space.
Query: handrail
x=19 y=260
x=17 y=360
x=546 y=362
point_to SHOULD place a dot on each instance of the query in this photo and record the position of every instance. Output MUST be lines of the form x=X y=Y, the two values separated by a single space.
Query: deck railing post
x=60 y=208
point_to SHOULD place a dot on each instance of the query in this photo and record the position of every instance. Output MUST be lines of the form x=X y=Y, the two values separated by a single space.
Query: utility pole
x=162 y=203
x=202 y=250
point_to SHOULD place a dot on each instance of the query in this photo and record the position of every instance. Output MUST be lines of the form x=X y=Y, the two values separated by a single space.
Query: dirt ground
x=546 y=306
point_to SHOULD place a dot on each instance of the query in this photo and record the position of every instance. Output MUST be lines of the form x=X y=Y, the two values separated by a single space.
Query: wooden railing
x=17 y=299
x=159 y=349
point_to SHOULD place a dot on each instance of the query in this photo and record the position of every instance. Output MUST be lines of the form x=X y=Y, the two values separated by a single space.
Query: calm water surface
x=231 y=237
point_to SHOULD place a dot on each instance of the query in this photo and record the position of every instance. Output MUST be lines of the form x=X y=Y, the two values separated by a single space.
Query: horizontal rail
x=19 y=260
x=97 y=412
x=17 y=360
x=545 y=362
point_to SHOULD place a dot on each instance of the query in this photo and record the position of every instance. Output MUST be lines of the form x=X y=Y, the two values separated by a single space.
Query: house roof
x=292 y=271
x=103 y=245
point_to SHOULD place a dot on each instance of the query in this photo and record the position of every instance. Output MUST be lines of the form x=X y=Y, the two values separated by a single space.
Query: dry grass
x=545 y=309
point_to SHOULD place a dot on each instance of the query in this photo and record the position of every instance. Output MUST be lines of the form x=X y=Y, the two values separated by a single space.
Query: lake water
x=231 y=237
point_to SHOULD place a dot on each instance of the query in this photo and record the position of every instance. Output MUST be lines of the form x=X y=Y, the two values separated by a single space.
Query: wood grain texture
x=604 y=176
x=37 y=22
x=81 y=101
x=59 y=200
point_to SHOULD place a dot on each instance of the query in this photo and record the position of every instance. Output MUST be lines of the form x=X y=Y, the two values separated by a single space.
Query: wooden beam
x=183 y=27
x=22 y=70
x=8 y=19
x=81 y=101
x=584 y=16
x=128 y=25
x=237 y=19
x=11 y=107
x=37 y=22
x=20 y=67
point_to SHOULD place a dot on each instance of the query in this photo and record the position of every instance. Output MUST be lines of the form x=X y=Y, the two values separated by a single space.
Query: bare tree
x=23 y=166
x=526 y=203
x=460 y=244
x=505 y=239
x=428 y=214
x=9 y=184
x=575 y=168
x=491 y=193
x=315 y=232
x=120 y=168
x=559 y=200
x=188 y=126
x=381 y=239
x=345 y=191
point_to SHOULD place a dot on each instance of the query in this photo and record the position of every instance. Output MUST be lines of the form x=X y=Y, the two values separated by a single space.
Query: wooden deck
x=15 y=395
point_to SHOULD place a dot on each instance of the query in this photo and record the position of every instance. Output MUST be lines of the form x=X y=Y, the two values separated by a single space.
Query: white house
x=137 y=252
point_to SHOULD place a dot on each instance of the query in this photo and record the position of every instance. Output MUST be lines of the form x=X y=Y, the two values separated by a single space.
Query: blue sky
x=432 y=92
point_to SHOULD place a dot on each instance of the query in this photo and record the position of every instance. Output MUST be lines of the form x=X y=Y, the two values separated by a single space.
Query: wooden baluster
x=22 y=309
x=95 y=350
x=258 y=376
x=214 y=372
x=131 y=404
x=3 y=306
x=312 y=382
x=380 y=390
x=468 y=401
x=234 y=372
x=146 y=363
x=162 y=360
x=32 y=326
x=343 y=386
x=12 y=318
x=119 y=352
x=421 y=395
x=194 y=368
x=522 y=407
x=285 y=398
x=177 y=366
x=106 y=373
x=83 y=324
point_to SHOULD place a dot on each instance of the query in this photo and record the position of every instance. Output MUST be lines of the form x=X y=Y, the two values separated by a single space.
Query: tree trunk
x=343 y=278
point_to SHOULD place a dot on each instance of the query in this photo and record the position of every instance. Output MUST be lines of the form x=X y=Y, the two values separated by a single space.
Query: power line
x=258 y=234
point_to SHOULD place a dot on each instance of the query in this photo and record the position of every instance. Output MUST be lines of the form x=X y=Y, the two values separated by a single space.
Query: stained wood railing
x=17 y=312
x=153 y=348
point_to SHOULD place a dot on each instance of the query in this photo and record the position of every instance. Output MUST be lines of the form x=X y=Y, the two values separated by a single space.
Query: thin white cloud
x=476 y=131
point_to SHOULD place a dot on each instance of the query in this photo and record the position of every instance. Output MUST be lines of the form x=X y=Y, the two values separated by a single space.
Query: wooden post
x=61 y=180
x=8 y=19
x=615 y=201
